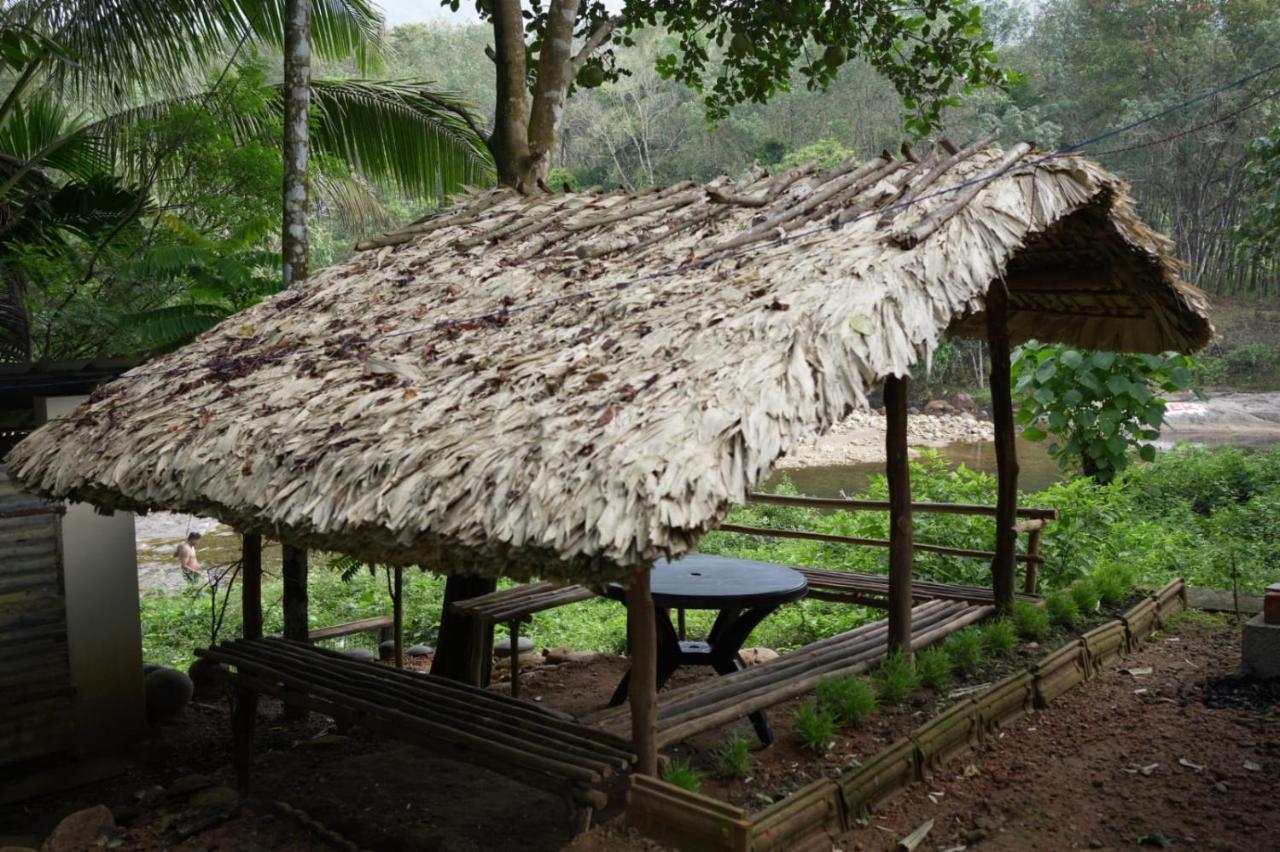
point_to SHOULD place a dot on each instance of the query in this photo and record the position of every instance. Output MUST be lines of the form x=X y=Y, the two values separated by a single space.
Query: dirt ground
x=1100 y=769
x=1106 y=767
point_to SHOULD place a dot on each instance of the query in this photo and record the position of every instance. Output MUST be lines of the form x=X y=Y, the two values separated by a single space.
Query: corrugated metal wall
x=37 y=710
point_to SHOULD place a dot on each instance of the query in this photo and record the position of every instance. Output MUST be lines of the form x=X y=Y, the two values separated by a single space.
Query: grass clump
x=680 y=773
x=815 y=728
x=1029 y=621
x=848 y=699
x=1195 y=621
x=933 y=665
x=964 y=648
x=734 y=757
x=896 y=679
x=1085 y=595
x=1061 y=608
x=1112 y=586
x=998 y=638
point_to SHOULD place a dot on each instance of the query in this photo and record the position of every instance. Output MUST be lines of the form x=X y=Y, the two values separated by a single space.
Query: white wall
x=104 y=630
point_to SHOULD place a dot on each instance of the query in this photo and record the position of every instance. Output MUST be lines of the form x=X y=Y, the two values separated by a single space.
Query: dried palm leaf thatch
x=567 y=385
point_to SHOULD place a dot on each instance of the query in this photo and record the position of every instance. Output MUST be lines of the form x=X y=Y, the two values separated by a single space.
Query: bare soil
x=1101 y=769
x=1071 y=777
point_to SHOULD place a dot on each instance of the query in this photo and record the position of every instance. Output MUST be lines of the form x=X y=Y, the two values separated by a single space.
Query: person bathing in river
x=186 y=554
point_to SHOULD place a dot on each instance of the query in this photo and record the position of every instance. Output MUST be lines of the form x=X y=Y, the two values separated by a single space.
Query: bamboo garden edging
x=807 y=819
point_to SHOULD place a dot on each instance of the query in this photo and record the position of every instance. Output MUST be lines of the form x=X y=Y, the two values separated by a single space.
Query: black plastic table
x=744 y=592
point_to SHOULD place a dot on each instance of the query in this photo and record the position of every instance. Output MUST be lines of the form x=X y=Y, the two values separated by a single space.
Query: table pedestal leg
x=668 y=656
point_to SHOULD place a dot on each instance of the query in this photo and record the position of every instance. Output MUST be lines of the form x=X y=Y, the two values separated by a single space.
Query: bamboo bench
x=512 y=737
x=709 y=704
x=873 y=589
x=384 y=624
x=516 y=606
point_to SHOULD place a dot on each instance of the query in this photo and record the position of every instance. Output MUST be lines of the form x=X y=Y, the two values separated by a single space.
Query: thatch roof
x=564 y=384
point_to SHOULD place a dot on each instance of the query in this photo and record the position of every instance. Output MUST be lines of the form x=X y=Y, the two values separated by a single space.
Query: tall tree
x=732 y=53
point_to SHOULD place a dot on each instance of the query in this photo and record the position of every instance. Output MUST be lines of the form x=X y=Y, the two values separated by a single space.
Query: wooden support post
x=1033 y=550
x=293 y=573
x=513 y=631
x=642 y=636
x=1003 y=564
x=898 y=471
x=680 y=616
x=464 y=646
x=251 y=585
x=397 y=616
x=243 y=716
x=246 y=700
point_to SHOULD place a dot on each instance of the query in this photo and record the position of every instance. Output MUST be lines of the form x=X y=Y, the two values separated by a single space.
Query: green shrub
x=998 y=638
x=896 y=678
x=1061 y=608
x=1085 y=596
x=964 y=649
x=933 y=665
x=1112 y=586
x=733 y=759
x=1029 y=621
x=848 y=699
x=680 y=773
x=815 y=728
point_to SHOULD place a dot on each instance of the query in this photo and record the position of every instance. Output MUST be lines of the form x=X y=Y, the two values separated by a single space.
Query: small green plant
x=1061 y=608
x=933 y=665
x=734 y=757
x=1029 y=621
x=1111 y=586
x=1195 y=621
x=848 y=699
x=815 y=728
x=998 y=638
x=680 y=773
x=964 y=648
x=1085 y=595
x=896 y=678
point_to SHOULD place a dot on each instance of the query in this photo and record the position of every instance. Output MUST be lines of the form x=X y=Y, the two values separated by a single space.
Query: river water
x=1240 y=419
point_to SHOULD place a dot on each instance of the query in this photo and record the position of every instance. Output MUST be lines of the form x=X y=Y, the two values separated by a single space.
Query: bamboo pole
x=251 y=585
x=883 y=505
x=642 y=639
x=1002 y=565
x=900 y=544
x=866 y=542
x=1033 y=549
x=293 y=573
x=397 y=616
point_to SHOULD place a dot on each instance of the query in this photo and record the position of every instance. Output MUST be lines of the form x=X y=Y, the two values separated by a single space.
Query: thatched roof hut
x=568 y=384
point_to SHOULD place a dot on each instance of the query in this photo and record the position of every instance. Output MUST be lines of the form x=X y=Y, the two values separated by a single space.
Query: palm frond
x=40 y=133
x=402 y=133
x=399 y=133
x=155 y=46
x=354 y=202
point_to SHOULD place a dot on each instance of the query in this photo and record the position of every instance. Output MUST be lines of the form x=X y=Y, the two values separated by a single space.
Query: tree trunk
x=524 y=134
x=297 y=106
x=464 y=647
x=509 y=143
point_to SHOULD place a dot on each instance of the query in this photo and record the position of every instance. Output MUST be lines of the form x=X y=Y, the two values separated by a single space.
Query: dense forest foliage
x=166 y=218
x=1085 y=66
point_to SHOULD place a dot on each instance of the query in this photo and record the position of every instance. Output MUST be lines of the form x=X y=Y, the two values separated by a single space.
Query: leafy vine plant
x=1097 y=407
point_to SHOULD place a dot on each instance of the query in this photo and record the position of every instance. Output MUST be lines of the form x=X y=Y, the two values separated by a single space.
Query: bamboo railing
x=1035 y=520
